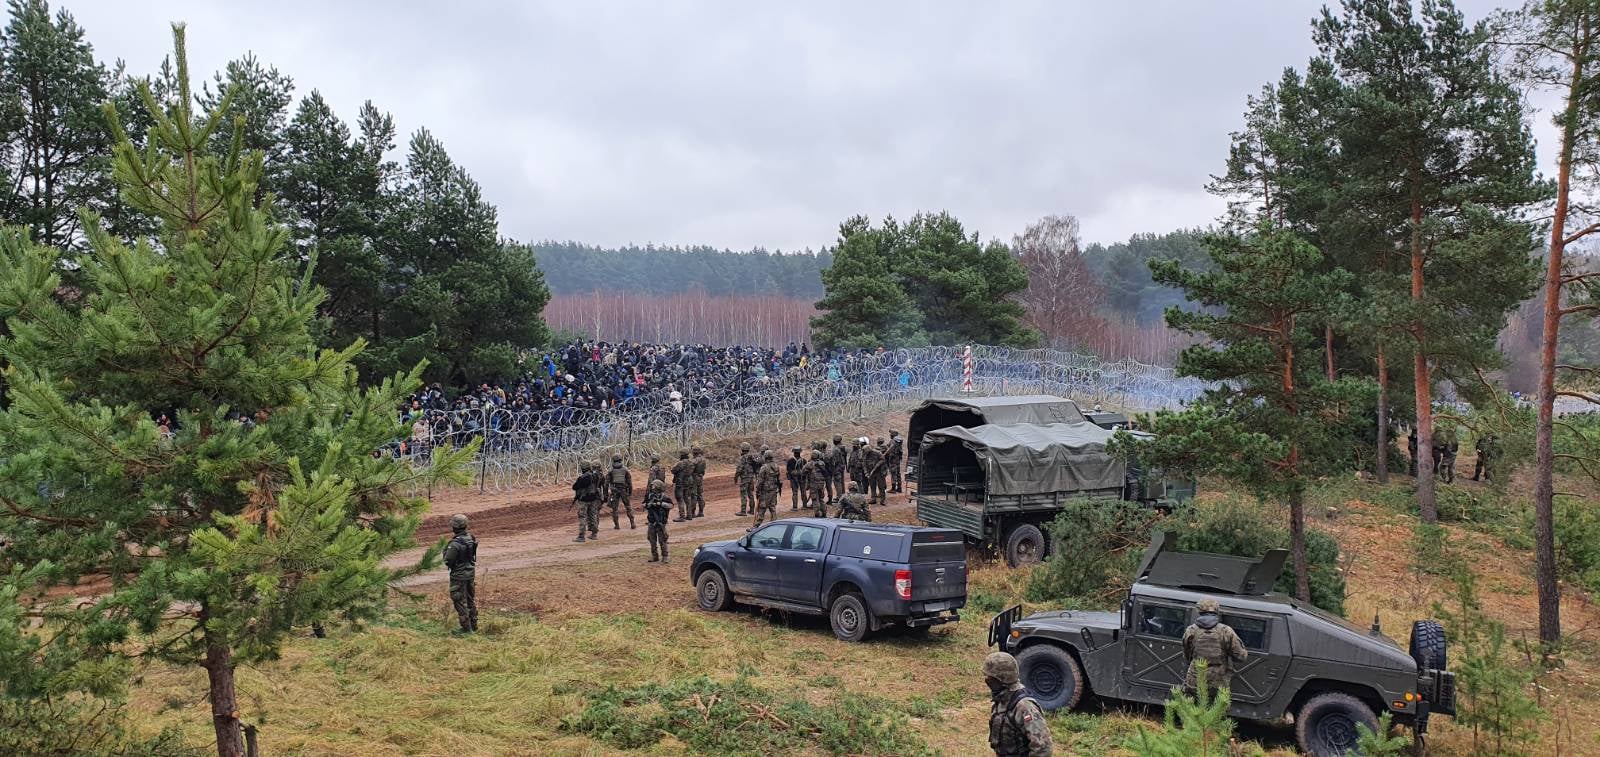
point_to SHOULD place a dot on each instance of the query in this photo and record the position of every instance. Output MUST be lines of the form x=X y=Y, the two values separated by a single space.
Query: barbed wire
x=533 y=448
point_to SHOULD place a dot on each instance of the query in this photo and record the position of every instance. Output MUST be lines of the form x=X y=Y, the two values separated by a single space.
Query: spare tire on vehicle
x=1428 y=645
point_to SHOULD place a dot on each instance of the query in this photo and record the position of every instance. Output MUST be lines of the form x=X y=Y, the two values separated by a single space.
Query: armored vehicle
x=999 y=484
x=1325 y=673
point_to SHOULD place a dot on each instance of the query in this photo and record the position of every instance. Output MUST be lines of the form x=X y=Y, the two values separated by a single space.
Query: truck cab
x=864 y=576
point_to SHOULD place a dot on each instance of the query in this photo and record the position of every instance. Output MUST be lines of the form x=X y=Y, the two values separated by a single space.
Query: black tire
x=1428 y=645
x=850 y=618
x=1025 y=545
x=711 y=591
x=1052 y=676
x=1326 y=725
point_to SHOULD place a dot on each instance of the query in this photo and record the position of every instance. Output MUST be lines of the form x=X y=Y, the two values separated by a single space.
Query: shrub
x=1096 y=545
x=1193 y=726
x=1379 y=743
x=1246 y=528
x=1493 y=691
x=1578 y=542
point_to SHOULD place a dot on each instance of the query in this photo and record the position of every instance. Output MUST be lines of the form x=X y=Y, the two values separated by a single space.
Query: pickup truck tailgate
x=938 y=565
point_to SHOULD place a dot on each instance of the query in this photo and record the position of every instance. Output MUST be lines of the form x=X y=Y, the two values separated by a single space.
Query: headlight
x=697 y=550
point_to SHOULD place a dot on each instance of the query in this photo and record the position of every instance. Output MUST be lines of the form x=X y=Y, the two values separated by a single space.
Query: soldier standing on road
x=620 y=481
x=699 y=484
x=896 y=457
x=769 y=484
x=744 y=475
x=854 y=505
x=874 y=459
x=814 y=474
x=586 y=495
x=838 y=461
x=1214 y=641
x=792 y=470
x=1016 y=724
x=603 y=482
x=683 y=484
x=657 y=473
x=461 y=558
x=656 y=509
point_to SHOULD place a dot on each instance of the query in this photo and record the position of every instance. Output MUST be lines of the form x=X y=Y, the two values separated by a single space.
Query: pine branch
x=25 y=513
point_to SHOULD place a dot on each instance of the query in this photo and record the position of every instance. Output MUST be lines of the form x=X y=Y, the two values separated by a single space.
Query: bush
x=1577 y=528
x=1379 y=743
x=1096 y=546
x=1246 y=528
x=1193 y=726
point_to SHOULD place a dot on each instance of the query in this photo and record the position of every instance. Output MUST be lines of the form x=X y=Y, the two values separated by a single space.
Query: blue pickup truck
x=863 y=576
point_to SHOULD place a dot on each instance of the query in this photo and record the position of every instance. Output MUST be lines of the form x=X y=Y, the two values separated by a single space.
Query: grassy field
x=609 y=655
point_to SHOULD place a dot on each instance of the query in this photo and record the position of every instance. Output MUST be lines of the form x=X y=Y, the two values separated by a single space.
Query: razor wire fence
x=538 y=448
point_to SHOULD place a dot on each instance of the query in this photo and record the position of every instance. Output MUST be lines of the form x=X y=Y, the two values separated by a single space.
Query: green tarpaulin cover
x=1031 y=458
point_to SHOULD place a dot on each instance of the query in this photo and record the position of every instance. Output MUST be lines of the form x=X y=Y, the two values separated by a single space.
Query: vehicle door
x=800 y=565
x=1153 y=653
x=755 y=569
x=1266 y=637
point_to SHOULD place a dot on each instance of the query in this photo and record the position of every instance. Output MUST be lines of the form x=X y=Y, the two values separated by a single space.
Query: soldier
x=683 y=484
x=657 y=473
x=827 y=481
x=1016 y=724
x=854 y=506
x=853 y=463
x=792 y=470
x=461 y=558
x=620 y=482
x=744 y=475
x=699 y=486
x=586 y=495
x=656 y=509
x=769 y=484
x=873 y=460
x=838 y=461
x=1444 y=452
x=895 y=457
x=1214 y=641
x=603 y=482
x=815 y=474
x=1411 y=444
x=1487 y=447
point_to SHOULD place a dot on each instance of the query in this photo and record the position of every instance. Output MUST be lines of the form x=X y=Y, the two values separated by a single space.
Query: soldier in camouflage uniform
x=656 y=509
x=604 y=482
x=820 y=447
x=1016 y=724
x=699 y=487
x=586 y=495
x=858 y=472
x=461 y=557
x=744 y=475
x=792 y=470
x=854 y=505
x=620 y=481
x=657 y=473
x=873 y=461
x=838 y=461
x=814 y=474
x=1214 y=641
x=683 y=484
x=895 y=457
x=769 y=484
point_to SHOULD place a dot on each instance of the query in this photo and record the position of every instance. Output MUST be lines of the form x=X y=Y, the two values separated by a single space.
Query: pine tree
x=262 y=509
x=1192 y=726
x=864 y=305
x=257 y=113
x=1272 y=420
x=965 y=290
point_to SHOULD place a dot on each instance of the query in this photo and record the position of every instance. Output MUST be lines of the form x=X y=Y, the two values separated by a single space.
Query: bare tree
x=1062 y=295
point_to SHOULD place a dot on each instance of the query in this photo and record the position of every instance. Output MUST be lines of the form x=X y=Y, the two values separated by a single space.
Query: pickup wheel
x=849 y=617
x=711 y=590
x=1326 y=725
x=1025 y=545
x=1052 y=675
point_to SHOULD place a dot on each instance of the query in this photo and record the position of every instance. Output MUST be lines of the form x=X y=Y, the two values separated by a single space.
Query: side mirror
x=745 y=542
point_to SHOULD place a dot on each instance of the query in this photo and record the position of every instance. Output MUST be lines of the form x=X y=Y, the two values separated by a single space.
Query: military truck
x=1000 y=484
x=968 y=412
x=1325 y=673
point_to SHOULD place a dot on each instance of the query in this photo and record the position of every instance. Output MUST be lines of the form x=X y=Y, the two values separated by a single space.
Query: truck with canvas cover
x=1000 y=484
x=983 y=411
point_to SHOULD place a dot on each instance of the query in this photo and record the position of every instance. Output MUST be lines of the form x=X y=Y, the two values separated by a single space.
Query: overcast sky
x=740 y=124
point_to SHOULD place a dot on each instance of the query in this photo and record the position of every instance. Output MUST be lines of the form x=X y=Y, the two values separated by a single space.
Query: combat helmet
x=683 y=454
x=1001 y=667
x=458 y=522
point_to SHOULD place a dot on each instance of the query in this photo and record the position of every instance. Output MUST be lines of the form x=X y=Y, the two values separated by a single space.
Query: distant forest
x=575 y=268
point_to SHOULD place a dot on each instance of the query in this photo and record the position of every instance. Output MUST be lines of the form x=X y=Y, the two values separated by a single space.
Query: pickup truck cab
x=863 y=576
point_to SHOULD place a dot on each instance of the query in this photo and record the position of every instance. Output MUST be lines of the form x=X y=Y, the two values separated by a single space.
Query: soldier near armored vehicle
x=895 y=459
x=683 y=484
x=620 y=481
x=1488 y=448
x=1016 y=723
x=769 y=484
x=656 y=509
x=838 y=463
x=854 y=505
x=792 y=471
x=1215 y=642
x=744 y=474
x=699 y=484
x=874 y=459
x=657 y=473
x=1445 y=446
x=461 y=558
x=586 y=496
x=815 y=475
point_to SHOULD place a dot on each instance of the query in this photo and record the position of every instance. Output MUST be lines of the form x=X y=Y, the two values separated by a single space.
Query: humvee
x=1325 y=673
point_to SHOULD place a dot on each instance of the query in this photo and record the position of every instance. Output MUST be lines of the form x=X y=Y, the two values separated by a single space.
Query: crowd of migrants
x=569 y=386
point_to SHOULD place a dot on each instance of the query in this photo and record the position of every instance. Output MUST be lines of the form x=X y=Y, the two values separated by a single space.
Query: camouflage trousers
x=657 y=534
x=699 y=497
x=894 y=477
x=683 y=492
x=814 y=496
x=747 y=495
x=876 y=484
x=766 y=507
x=463 y=594
x=827 y=487
x=589 y=517
x=619 y=503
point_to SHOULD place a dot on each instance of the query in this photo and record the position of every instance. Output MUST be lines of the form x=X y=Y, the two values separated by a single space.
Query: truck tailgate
x=938 y=565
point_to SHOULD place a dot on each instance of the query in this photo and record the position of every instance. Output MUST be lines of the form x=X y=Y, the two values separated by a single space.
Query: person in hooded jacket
x=1214 y=641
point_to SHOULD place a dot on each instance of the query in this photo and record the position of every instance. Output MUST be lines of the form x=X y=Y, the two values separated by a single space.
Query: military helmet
x=881 y=441
x=1001 y=667
x=794 y=449
x=767 y=455
x=838 y=439
x=655 y=458
x=583 y=467
x=698 y=451
x=458 y=522
x=657 y=485
x=616 y=459
x=816 y=454
x=1207 y=605
x=855 y=486
x=683 y=454
x=744 y=446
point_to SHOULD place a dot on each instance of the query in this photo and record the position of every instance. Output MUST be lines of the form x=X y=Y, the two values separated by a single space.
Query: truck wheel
x=1326 y=725
x=849 y=617
x=1024 y=546
x=712 y=591
x=1052 y=675
x=1428 y=645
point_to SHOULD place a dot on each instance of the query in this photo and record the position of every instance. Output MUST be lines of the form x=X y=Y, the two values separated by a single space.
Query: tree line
x=577 y=268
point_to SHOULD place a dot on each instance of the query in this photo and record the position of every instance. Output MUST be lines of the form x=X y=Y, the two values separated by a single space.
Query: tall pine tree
x=864 y=305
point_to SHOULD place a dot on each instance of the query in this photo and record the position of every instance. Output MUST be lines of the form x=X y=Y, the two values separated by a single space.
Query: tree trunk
x=1381 y=465
x=1327 y=350
x=1427 y=506
x=218 y=663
